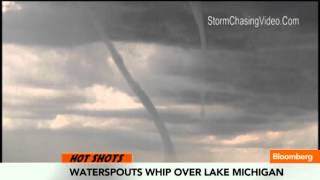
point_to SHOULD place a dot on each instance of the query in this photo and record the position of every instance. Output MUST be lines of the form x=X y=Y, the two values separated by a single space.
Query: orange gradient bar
x=96 y=157
x=294 y=156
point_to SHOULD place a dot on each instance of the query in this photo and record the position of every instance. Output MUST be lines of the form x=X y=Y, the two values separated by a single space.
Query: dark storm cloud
x=274 y=80
x=65 y=24
x=281 y=62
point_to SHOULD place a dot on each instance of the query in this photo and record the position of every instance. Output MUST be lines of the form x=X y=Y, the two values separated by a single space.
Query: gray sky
x=62 y=91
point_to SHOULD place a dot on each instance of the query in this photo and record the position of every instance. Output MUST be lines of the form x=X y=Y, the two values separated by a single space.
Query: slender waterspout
x=169 y=152
x=198 y=17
